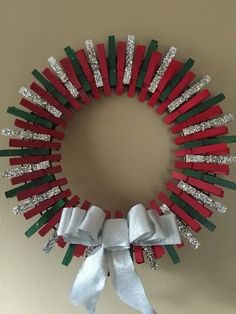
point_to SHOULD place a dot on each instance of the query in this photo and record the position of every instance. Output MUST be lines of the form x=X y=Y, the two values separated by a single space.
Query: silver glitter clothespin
x=162 y=69
x=130 y=47
x=36 y=99
x=93 y=61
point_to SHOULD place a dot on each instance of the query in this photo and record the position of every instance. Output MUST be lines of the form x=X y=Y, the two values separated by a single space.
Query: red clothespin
x=138 y=254
x=40 y=188
x=189 y=200
x=42 y=112
x=88 y=72
x=85 y=205
x=35 y=174
x=39 y=129
x=154 y=63
x=180 y=212
x=201 y=135
x=61 y=88
x=34 y=159
x=120 y=67
x=138 y=59
x=60 y=242
x=118 y=214
x=194 y=101
x=214 y=149
x=187 y=79
x=213 y=168
x=101 y=54
x=51 y=100
x=56 y=218
x=70 y=72
x=107 y=213
x=46 y=204
x=173 y=68
x=33 y=144
x=205 y=115
x=200 y=184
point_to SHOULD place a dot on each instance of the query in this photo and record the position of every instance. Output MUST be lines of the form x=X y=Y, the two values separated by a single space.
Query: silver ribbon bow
x=111 y=239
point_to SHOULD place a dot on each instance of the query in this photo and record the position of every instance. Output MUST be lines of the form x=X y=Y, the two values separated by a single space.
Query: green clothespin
x=192 y=212
x=172 y=253
x=69 y=255
x=210 y=178
x=153 y=46
x=31 y=184
x=78 y=69
x=112 y=60
x=201 y=107
x=31 y=117
x=220 y=139
x=50 y=88
x=45 y=218
x=177 y=78
x=192 y=144
x=24 y=152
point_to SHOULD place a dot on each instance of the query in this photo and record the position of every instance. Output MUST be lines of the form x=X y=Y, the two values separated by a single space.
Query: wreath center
x=117 y=144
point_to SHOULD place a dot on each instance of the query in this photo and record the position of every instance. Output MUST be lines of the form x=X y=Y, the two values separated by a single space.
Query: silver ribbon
x=112 y=239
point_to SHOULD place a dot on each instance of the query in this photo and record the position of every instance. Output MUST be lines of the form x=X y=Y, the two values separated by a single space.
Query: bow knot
x=112 y=239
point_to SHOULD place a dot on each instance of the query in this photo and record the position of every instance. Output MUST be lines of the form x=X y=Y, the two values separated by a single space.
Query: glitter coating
x=36 y=99
x=189 y=93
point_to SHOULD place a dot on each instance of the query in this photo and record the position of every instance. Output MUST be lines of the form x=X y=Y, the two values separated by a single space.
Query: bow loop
x=80 y=227
x=147 y=228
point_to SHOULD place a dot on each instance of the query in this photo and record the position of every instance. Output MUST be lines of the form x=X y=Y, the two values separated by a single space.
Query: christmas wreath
x=111 y=245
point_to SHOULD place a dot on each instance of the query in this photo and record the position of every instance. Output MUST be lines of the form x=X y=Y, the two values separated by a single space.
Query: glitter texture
x=130 y=47
x=88 y=251
x=93 y=62
x=189 y=93
x=25 y=134
x=63 y=77
x=18 y=171
x=151 y=258
x=211 y=159
x=162 y=69
x=49 y=245
x=202 y=197
x=35 y=200
x=212 y=123
x=183 y=229
x=36 y=99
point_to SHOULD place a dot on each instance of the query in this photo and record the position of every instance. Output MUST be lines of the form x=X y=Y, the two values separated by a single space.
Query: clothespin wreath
x=110 y=246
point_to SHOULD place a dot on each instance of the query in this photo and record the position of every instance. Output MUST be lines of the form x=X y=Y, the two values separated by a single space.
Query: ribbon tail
x=126 y=282
x=90 y=281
